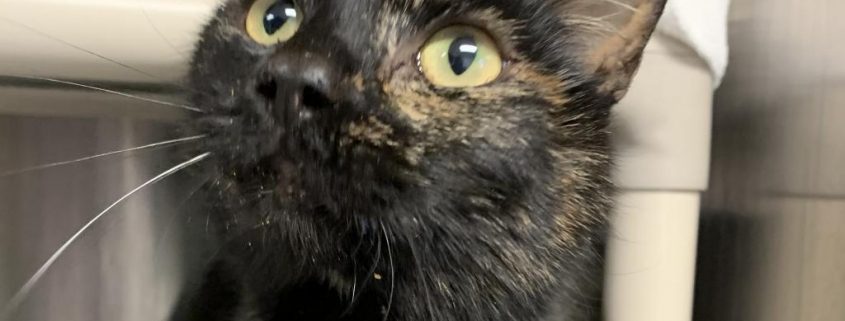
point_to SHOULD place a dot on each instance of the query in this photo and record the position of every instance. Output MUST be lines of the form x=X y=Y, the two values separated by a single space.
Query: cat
x=409 y=159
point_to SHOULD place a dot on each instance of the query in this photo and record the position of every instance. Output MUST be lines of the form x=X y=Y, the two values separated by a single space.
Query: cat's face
x=354 y=107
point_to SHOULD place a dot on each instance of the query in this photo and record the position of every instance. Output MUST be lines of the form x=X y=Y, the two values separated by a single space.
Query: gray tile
x=772 y=229
x=118 y=270
x=823 y=260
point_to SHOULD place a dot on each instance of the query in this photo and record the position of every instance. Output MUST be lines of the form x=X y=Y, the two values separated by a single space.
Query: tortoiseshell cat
x=410 y=159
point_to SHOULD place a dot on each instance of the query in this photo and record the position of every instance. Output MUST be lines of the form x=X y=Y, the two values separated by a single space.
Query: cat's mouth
x=359 y=182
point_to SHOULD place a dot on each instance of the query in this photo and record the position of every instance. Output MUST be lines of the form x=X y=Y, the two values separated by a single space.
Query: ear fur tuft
x=622 y=29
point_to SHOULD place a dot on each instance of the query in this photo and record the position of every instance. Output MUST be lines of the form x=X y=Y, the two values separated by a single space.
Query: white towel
x=703 y=25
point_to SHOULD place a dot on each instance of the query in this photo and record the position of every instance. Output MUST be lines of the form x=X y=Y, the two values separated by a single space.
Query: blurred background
x=772 y=219
x=130 y=265
x=772 y=244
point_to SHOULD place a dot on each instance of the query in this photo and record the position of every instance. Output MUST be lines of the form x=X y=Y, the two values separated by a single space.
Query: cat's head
x=352 y=107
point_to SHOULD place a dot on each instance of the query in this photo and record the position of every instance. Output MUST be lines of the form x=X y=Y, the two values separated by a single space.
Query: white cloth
x=703 y=25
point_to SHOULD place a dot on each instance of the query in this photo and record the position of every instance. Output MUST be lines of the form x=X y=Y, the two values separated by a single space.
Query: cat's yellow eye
x=270 y=22
x=460 y=56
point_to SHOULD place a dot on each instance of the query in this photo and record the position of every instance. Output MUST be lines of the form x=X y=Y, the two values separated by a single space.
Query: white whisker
x=392 y=272
x=421 y=276
x=622 y=5
x=51 y=37
x=56 y=164
x=90 y=52
x=161 y=34
x=25 y=290
x=113 y=92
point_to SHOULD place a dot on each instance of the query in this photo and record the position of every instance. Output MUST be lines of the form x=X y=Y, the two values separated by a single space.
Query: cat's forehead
x=371 y=30
x=356 y=18
x=358 y=9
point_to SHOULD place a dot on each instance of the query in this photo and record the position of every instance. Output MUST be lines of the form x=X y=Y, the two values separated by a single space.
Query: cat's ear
x=619 y=31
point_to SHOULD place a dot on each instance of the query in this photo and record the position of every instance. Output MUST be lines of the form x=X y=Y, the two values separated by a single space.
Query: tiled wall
x=773 y=230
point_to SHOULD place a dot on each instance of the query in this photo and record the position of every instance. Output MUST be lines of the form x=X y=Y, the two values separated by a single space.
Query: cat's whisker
x=600 y=25
x=392 y=272
x=591 y=24
x=370 y=274
x=421 y=276
x=26 y=289
x=66 y=43
x=161 y=34
x=113 y=92
x=172 y=221
x=354 y=284
x=95 y=54
x=622 y=5
x=354 y=255
x=106 y=154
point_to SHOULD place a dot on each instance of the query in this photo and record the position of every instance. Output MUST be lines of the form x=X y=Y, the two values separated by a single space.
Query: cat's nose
x=301 y=84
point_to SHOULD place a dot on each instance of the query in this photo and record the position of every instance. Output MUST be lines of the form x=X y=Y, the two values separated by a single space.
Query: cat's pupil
x=277 y=15
x=462 y=53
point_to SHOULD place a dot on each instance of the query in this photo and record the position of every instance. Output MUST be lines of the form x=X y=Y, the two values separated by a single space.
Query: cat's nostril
x=267 y=89
x=315 y=99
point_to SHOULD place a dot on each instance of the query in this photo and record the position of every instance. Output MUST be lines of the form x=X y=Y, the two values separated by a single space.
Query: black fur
x=489 y=210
